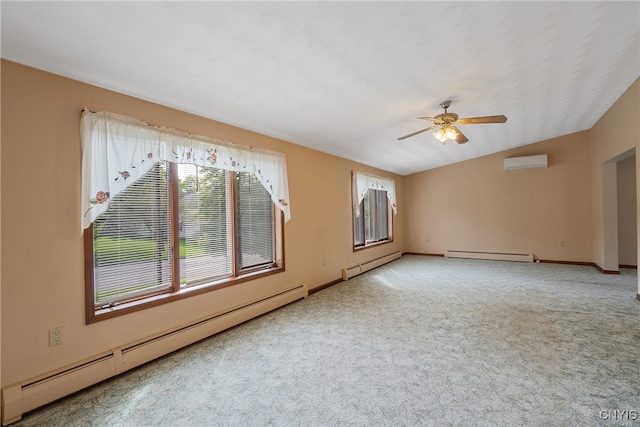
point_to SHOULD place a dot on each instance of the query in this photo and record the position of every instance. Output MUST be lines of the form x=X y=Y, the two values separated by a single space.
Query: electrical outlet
x=55 y=336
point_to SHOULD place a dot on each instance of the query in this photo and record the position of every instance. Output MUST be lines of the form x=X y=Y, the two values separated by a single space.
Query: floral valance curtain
x=365 y=181
x=117 y=150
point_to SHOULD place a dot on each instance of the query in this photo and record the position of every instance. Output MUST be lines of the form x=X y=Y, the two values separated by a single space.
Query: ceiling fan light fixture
x=439 y=135
x=445 y=133
x=450 y=133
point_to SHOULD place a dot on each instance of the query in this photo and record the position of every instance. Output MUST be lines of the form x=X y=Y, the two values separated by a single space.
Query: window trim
x=94 y=314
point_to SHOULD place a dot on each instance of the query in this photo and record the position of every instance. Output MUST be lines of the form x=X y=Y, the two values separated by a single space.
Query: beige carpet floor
x=422 y=341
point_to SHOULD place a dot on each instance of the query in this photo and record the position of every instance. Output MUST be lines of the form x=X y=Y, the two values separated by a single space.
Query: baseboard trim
x=590 y=264
x=422 y=254
x=638 y=297
x=325 y=286
x=632 y=267
x=603 y=271
x=555 y=261
x=548 y=261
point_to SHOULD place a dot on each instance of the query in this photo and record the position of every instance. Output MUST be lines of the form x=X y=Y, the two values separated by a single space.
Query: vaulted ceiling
x=348 y=78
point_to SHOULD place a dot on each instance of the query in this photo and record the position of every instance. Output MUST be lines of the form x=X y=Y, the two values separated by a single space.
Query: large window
x=373 y=210
x=168 y=214
x=179 y=230
x=373 y=224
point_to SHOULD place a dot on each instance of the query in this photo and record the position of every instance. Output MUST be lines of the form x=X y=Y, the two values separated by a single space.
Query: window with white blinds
x=255 y=220
x=206 y=225
x=372 y=224
x=131 y=241
x=179 y=229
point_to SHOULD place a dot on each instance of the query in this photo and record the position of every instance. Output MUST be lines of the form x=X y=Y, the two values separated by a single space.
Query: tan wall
x=473 y=205
x=42 y=248
x=627 y=215
x=476 y=205
x=617 y=132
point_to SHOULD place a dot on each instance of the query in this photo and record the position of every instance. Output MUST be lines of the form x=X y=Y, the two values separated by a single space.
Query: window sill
x=126 y=307
x=371 y=245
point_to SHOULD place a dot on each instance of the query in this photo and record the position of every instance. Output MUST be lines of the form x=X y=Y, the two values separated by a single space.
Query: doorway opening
x=620 y=212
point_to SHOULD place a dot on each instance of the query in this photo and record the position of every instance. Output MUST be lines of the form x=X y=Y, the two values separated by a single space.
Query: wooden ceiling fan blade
x=483 y=119
x=460 y=138
x=415 y=133
x=433 y=119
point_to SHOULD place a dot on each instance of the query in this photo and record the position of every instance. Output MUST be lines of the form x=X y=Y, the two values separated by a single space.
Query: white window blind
x=255 y=220
x=131 y=248
x=205 y=225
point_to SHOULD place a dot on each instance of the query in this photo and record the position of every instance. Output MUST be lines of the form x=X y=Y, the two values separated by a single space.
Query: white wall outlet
x=55 y=336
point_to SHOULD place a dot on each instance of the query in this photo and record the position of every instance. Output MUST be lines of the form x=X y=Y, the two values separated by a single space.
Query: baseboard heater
x=28 y=395
x=498 y=256
x=354 y=270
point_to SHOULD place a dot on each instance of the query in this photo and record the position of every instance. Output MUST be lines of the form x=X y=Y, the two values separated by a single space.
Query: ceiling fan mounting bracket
x=445 y=105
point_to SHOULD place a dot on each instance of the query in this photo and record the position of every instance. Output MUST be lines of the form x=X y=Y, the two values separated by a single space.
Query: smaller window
x=372 y=224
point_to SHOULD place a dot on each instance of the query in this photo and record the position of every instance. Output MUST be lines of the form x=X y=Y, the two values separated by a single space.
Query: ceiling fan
x=445 y=124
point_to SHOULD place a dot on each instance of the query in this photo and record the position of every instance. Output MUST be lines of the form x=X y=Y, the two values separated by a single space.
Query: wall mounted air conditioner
x=525 y=162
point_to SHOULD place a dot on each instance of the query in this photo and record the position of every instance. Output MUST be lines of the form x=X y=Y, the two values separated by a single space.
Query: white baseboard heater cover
x=354 y=270
x=525 y=162
x=28 y=395
x=498 y=256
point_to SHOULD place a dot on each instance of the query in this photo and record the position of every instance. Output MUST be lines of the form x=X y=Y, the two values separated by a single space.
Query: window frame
x=365 y=245
x=108 y=311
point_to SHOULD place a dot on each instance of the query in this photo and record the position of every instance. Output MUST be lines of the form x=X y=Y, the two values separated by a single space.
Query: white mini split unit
x=525 y=162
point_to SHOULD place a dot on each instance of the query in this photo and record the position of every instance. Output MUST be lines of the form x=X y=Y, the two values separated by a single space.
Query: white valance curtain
x=117 y=150
x=365 y=181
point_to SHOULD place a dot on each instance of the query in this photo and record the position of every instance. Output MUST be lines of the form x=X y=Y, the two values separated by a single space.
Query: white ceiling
x=348 y=78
